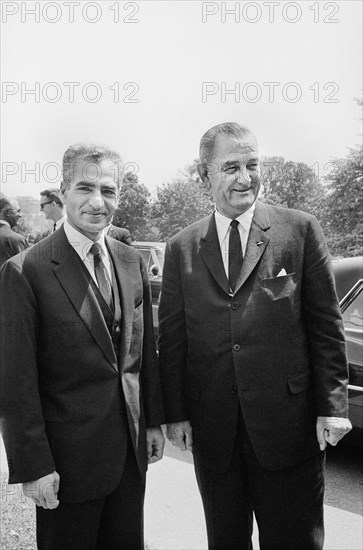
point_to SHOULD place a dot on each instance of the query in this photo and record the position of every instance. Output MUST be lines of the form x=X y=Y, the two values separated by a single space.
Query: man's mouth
x=241 y=190
x=96 y=215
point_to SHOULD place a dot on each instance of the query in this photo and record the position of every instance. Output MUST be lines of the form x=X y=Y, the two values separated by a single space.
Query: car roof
x=347 y=271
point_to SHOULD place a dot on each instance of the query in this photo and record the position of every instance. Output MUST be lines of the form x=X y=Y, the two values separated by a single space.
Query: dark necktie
x=235 y=256
x=54 y=226
x=102 y=277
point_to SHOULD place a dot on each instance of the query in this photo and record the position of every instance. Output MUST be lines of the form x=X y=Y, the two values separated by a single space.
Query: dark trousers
x=110 y=523
x=288 y=504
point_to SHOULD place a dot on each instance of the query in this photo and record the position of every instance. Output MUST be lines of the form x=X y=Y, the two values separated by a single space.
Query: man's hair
x=95 y=154
x=4 y=204
x=52 y=195
x=207 y=142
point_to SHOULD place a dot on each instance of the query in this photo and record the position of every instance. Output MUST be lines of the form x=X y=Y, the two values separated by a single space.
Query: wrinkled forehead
x=231 y=146
x=92 y=171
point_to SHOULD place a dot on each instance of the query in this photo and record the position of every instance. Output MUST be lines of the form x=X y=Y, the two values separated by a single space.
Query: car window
x=146 y=256
x=353 y=327
x=160 y=257
x=353 y=315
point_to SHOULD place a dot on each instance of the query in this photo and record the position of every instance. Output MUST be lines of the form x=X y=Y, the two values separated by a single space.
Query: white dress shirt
x=59 y=223
x=82 y=245
x=224 y=229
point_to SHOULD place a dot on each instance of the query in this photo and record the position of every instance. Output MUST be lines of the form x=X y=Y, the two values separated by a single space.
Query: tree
x=133 y=208
x=344 y=206
x=291 y=184
x=181 y=202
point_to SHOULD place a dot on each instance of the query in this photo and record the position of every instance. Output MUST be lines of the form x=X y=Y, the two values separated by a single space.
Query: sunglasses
x=43 y=203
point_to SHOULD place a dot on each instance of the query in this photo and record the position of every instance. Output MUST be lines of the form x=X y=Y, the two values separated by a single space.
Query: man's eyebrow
x=230 y=163
x=88 y=183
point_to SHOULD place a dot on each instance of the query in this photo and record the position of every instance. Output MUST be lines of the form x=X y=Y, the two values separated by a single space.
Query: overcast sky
x=152 y=83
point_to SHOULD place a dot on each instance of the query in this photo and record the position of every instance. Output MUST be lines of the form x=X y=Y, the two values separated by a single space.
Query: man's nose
x=243 y=175
x=96 y=200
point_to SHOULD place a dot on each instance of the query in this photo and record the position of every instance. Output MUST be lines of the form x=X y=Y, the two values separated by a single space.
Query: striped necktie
x=102 y=277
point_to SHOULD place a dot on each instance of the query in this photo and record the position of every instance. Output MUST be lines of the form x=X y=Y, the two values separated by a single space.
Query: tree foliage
x=291 y=184
x=344 y=206
x=133 y=210
x=181 y=202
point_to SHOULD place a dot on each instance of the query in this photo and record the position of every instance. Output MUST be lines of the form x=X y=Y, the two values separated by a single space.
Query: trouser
x=288 y=504
x=110 y=523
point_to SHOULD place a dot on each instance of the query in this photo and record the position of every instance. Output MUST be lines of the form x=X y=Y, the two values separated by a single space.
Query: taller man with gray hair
x=252 y=355
x=80 y=391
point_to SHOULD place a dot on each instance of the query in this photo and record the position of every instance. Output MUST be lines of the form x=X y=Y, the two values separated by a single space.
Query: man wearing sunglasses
x=53 y=208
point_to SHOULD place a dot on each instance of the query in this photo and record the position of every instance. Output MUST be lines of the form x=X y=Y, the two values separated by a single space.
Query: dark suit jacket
x=66 y=398
x=120 y=234
x=11 y=243
x=276 y=348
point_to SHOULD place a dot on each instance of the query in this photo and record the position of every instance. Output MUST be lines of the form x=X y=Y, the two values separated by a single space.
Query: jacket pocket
x=299 y=383
x=280 y=287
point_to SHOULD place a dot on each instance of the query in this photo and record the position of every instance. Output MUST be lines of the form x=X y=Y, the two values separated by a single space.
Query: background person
x=119 y=233
x=51 y=204
x=11 y=243
x=80 y=390
x=252 y=355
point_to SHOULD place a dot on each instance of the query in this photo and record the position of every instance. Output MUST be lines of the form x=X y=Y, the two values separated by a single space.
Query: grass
x=17 y=519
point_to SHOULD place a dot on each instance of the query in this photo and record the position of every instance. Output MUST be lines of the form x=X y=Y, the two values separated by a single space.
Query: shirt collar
x=223 y=223
x=60 y=222
x=81 y=243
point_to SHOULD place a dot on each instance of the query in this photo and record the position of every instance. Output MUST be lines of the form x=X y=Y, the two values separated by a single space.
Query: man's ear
x=203 y=173
x=63 y=189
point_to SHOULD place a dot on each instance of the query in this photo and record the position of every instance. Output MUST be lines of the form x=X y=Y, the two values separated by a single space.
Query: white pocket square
x=281 y=273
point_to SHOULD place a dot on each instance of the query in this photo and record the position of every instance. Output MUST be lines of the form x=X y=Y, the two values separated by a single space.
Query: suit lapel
x=256 y=245
x=212 y=256
x=76 y=285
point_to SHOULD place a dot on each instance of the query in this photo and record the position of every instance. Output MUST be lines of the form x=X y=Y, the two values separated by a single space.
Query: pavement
x=174 y=516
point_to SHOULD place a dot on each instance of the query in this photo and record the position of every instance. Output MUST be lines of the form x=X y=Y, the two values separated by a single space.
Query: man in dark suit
x=53 y=209
x=11 y=243
x=80 y=393
x=252 y=355
x=120 y=234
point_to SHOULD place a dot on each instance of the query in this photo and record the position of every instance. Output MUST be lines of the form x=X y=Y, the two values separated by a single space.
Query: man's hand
x=180 y=434
x=155 y=444
x=330 y=429
x=43 y=491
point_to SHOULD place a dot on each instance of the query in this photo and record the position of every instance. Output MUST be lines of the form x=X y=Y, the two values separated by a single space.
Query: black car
x=153 y=255
x=348 y=274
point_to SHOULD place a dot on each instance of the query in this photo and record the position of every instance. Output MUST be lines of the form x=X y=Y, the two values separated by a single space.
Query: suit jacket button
x=234 y=389
x=235 y=305
x=236 y=347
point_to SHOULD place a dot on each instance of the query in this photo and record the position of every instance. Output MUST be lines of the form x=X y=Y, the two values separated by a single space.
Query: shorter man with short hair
x=119 y=233
x=52 y=206
x=11 y=243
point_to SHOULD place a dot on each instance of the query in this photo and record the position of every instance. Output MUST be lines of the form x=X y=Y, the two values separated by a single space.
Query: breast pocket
x=280 y=287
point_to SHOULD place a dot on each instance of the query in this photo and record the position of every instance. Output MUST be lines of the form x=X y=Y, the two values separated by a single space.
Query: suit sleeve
x=324 y=326
x=172 y=339
x=28 y=452
x=126 y=237
x=150 y=376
